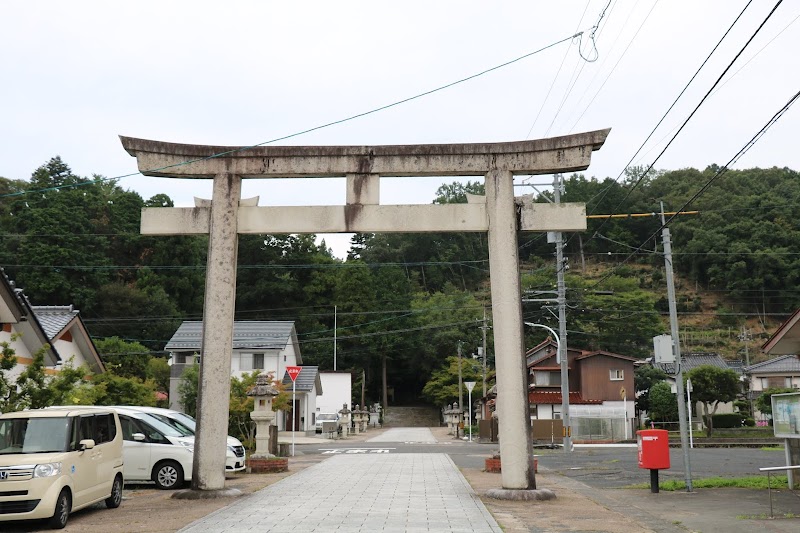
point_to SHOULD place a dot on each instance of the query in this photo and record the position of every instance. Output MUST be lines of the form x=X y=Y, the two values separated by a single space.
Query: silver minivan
x=55 y=461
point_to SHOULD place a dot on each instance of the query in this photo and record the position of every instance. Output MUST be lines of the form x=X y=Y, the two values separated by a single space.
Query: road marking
x=329 y=451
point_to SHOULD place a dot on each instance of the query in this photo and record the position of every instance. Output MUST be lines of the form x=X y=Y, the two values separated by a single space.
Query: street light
x=567 y=443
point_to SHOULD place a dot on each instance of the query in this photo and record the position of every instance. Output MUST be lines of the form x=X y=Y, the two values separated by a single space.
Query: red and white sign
x=293 y=372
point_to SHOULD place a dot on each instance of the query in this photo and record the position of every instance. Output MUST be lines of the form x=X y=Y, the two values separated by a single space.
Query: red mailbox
x=653 y=448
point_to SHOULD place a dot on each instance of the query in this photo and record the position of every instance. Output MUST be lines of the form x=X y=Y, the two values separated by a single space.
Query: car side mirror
x=86 y=444
x=139 y=437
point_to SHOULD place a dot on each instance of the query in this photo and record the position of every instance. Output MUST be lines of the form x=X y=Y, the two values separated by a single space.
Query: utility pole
x=460 y=394
x=562 y=323
x=676 y=350
x=484 y=327
x=334 y=338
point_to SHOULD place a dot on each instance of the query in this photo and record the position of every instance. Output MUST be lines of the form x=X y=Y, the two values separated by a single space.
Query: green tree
x=126 y=359
x=712 y=386
x=188 y=388
x=110 y=389
x=764 y=401
x=663 y=403
x=442 y=387
x=644 y=378
x=158 y=371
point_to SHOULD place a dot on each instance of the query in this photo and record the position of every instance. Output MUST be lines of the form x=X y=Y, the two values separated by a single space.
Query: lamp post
x=469 y=385
x=564 y=388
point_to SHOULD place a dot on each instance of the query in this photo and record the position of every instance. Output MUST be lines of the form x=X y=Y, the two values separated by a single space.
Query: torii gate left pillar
x=499 y=214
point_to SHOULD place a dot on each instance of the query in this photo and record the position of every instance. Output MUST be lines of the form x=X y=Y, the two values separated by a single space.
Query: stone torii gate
x=498 y=213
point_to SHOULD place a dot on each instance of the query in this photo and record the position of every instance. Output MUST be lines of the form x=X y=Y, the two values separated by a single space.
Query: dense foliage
x=402 y=301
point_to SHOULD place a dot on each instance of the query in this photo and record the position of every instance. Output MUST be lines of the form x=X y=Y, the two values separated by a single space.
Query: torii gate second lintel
x=497 y=213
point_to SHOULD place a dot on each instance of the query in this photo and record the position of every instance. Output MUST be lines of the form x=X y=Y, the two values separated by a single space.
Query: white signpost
x=293 y=372
x=469 y=385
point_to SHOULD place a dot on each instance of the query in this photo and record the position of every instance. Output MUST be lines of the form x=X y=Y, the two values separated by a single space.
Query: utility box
x=653 y=448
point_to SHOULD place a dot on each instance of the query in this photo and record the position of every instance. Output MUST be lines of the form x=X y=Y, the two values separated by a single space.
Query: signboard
x=469 y=385
x=293 y=372
x=786 y=415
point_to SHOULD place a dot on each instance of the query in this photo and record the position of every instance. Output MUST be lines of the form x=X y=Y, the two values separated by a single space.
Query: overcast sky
x=77 y=74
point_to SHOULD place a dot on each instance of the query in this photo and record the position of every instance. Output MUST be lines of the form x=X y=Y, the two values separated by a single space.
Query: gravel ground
x=147 y=509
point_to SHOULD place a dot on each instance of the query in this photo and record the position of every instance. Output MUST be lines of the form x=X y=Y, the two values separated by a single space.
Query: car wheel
x=61 y=513
x=113 y=501
x=168 y=475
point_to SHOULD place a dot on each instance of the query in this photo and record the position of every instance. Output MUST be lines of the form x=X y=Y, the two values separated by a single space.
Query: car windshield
x=186 y=420
x=326 y=416
x=167 y=429
x=34 y=435
x=185 y=431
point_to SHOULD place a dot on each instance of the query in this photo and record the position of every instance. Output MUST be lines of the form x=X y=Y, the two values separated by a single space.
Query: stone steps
x=411 y=417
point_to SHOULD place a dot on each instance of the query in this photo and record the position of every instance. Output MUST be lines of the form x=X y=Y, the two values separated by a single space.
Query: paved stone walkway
x=361 y=493
x=405 y=435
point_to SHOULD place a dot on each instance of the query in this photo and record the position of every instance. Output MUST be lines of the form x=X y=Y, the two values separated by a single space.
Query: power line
x=312 y=129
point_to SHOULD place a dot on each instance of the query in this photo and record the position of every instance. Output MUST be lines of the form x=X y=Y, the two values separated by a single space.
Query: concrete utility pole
x=676 y=350
x=562 y=323
x=484 y=327
x=460 y=382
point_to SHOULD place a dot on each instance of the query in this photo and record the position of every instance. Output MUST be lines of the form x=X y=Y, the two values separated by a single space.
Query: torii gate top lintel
x=541 y=156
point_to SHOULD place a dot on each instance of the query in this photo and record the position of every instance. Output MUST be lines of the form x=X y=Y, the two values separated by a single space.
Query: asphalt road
x=600 y=467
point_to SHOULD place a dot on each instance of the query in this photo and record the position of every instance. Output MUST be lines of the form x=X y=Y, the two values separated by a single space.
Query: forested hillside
x=403 y=302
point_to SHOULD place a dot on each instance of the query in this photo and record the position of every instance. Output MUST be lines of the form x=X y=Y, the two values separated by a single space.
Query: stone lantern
x=344 y=419
x=375 y=415
x=263 y=392
x=363 y=418
x=356 y=419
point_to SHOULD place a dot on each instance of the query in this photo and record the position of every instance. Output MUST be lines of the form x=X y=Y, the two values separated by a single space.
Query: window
x=104 y=428
x=258 y=361
x=616 y=375
x=788 y=383
x=544 y=378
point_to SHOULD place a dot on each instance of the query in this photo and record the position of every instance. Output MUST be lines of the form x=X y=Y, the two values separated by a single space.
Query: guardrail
x=769 y=470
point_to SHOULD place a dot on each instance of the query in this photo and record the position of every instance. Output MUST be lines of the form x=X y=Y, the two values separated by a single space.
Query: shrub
x=727 y=420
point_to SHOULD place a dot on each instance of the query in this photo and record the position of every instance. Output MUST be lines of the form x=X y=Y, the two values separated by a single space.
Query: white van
x=235 y=455
x=55 y=461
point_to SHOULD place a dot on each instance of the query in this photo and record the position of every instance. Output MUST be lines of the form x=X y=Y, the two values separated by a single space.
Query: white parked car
x=153 y=450
x=235 y=456
x=55 y=461
x=325 y=417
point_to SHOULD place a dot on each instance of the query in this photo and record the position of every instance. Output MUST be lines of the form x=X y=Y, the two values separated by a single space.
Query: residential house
x=26 y=329
x=67 y=333
x=693 y=360
x=782 y=372
x=265 y=346
x=600 y=384
x=306 y=387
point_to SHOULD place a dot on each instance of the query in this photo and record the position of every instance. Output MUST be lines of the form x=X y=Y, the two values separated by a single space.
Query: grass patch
x=772 y=448
x=749 y=482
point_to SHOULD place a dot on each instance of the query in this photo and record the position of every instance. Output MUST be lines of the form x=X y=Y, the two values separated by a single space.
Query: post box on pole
x=653 y=447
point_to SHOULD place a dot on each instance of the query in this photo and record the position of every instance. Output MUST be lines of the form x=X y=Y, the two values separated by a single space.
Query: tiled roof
x=607 y=354
x=54 y=318
x=304 y=382
x=262 y=335
x=693 y=360
x=554 y=397
x=783 y=364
